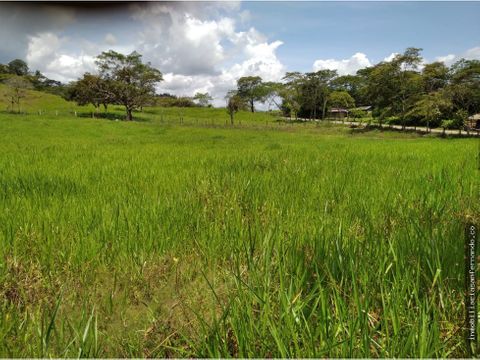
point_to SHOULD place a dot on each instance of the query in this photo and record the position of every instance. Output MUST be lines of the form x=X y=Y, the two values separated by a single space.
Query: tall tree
x=435 y=76
x=464 y=88
x=131 y=83
x=291 y=93
x=251 y=89
x=315 y=90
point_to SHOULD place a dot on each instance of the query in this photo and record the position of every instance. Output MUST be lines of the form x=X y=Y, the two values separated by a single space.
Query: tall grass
x=152 y=239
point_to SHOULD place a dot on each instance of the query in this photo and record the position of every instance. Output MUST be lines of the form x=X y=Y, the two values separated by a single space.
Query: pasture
x=169 y=238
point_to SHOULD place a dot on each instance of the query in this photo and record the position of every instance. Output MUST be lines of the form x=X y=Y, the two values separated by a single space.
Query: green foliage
x=17 y=87
x=341 y=99
x=251 y=89
x=130 y=82
x=18 y=67
x=203 y=98
x=174 y=101
x=449 y=124
x=357 y=113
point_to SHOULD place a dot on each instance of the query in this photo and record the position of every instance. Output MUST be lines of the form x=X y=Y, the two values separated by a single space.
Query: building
x=473 y=122
x=337 y=113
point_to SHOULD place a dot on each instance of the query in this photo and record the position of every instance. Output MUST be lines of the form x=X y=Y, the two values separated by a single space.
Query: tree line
x=400 y=91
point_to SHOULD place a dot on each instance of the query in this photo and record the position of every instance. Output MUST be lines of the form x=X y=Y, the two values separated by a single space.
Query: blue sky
x=207 y=46
x=312 y=30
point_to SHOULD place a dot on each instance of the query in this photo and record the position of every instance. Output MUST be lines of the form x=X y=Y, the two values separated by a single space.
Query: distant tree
x=4 y=69
x=341 y=99
x=353 y=84
x=235 y=103
x=203 y=99
x=435 y=76
x=92 y=89
x=315 y=89
x=464 y=87
x=291 y=93
x=432 y=107
x=16 y=91
x=131 y=83
x=251 y=89
x=18 y=67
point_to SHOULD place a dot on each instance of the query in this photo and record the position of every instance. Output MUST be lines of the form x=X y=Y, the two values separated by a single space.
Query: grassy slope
x=161 y=240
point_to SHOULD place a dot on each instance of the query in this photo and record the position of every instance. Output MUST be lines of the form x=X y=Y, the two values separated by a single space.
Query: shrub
x=449 y=124
x=357 y=113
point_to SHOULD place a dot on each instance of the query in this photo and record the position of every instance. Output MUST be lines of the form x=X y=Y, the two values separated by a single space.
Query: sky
x=207 y=46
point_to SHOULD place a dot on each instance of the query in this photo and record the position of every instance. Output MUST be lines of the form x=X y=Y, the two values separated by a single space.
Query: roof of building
x=338 y=110
x=368 y=107
x=474 y=117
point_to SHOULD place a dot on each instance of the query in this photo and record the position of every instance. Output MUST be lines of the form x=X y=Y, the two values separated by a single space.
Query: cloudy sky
x=206 y=46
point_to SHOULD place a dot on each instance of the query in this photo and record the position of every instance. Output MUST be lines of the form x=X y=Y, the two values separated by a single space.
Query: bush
x=449 y=124
x=168 y=101
x=392 y=120
x=357 y=113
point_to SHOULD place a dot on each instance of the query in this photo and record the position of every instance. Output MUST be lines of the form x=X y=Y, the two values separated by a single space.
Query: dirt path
x=422 y=129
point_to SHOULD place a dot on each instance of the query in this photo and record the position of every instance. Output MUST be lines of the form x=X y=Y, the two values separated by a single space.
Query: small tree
x=17 y=90
x=251 y=89
x=234 y=103
x=431 y=107
x=131 y=83
x=203 y=98
x=92 y=89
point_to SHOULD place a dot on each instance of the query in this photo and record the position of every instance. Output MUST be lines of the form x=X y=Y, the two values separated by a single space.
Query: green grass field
x=161 y=238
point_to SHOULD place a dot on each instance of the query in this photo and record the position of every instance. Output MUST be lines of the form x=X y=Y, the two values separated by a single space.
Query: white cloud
x=447 y=59
x=344 y=67
x=42 y=49
x=470 y=54
x=198 y=53
x=110 y=39
x=390 y=57
x=45 y=53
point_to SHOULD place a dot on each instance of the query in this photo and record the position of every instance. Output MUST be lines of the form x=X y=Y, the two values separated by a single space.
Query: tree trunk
x=252 y=108
x=129 y=114
x=324 y=109
x=231 y=118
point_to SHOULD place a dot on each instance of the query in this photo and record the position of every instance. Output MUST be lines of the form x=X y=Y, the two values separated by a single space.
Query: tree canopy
x=128 y=80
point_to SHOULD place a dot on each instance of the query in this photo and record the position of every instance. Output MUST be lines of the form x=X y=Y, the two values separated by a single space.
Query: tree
x=353 y=84
x=431 y=107
x=341 y=99
x=92 y=89
x=394 y=86
x=203 y=98
x=435 y=76
x=315 y=88
x=131 y=83
x=291 y=93
x=464 y=88
x=16 y=91
x=234 y=103
x=251 y=89
x=18 y=67
x=4 y=69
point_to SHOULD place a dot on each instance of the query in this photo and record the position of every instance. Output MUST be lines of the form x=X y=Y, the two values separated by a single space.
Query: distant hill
x=40 y=101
